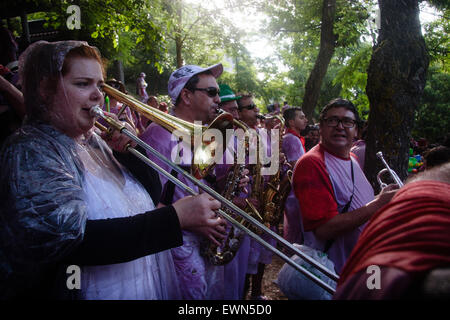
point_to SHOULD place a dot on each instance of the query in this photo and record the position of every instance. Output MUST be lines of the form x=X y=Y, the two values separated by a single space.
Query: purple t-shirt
x=292 y=226
x=197 y=278
x=336 y=172
x=292 y=147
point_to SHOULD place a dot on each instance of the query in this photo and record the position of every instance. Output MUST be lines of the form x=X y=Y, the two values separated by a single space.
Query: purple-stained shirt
x=359 y=149
x=292 y=147
x=292 y=226
x=339 y=172
x=236 y=270
x=198 y=279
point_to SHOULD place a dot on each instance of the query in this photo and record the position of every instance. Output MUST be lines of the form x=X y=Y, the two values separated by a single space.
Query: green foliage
x=351 y=21
x=433 y=116
x=432 y=119
x=114 y=26
x=438 y=41
x=300 y=22
x=144 y=34
x=352 y=76
x=440 y=4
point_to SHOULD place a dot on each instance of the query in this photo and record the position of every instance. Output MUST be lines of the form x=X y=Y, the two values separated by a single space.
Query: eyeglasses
x=334 y=122
x=210 y=91
x=249 y=107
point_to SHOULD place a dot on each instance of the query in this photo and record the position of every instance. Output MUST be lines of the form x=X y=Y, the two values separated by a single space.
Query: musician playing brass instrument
x=235 y=251
x=66 y=200
x=259 y=257
x=335 y=198
x=279 y=184
x=195 y=94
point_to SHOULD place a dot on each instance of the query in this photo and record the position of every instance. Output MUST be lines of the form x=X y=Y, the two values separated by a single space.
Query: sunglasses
x=249 y=107
x=210 y=91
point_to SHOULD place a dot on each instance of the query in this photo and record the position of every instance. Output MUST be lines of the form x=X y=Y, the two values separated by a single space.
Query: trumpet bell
x=379 y=176
x=387 y=169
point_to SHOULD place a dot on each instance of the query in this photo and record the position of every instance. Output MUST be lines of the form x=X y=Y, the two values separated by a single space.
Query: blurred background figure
x=359 y=146
x=141 y=88
x=311 y=134
x=163 y=107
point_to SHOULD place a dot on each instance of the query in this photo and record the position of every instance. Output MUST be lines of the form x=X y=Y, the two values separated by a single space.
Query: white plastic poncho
x=50 y=186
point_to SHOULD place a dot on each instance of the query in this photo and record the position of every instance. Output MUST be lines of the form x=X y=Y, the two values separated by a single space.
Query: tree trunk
x=327 y=46
x=117 y=71
x=396 y=79
x=178 y=37
x=179 y=46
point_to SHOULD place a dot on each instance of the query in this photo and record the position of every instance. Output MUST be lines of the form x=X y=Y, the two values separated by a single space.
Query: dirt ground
x=270 y=289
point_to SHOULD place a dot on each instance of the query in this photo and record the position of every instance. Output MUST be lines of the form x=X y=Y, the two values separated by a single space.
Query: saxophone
x=276 y=191
x=221 y=255
x=257 y=185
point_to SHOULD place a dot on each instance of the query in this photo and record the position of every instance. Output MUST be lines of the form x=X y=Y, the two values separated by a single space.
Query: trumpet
x=387 y=169
x=96 y=111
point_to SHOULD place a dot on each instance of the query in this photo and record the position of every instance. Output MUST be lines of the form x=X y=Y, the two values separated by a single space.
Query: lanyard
x=347 y=206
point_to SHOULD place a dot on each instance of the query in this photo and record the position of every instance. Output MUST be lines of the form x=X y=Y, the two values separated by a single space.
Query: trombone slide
x=97 y=112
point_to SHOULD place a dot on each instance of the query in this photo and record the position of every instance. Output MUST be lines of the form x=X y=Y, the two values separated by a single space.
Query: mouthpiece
x=96 y=111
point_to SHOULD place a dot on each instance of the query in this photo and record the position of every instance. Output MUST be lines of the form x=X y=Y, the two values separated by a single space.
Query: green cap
x=226 y=94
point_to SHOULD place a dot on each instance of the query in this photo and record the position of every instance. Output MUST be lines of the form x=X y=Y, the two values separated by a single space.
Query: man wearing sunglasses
x=234 y=271
x=335 y=198
x=259 y=256
x=247 y=110
x=194 y=92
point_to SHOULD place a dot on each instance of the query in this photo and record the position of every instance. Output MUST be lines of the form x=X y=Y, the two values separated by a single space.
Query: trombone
x=201 y=167
x=96 y=111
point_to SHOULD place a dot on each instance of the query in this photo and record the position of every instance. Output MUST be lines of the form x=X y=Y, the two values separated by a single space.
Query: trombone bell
x=203 y=155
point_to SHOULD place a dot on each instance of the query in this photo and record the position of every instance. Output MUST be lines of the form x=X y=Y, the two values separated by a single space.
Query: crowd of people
x=73 y=194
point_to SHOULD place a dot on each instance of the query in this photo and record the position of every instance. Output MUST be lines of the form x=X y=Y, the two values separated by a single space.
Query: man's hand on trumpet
x=197 y=214
x=385 y=195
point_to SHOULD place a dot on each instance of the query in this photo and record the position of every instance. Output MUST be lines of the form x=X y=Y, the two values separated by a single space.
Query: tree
x=105 y=23
x=396 y=79
x=352 y=76
x=432 y=118
x=198 y=35
x=317 y=30
x=326 y=50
